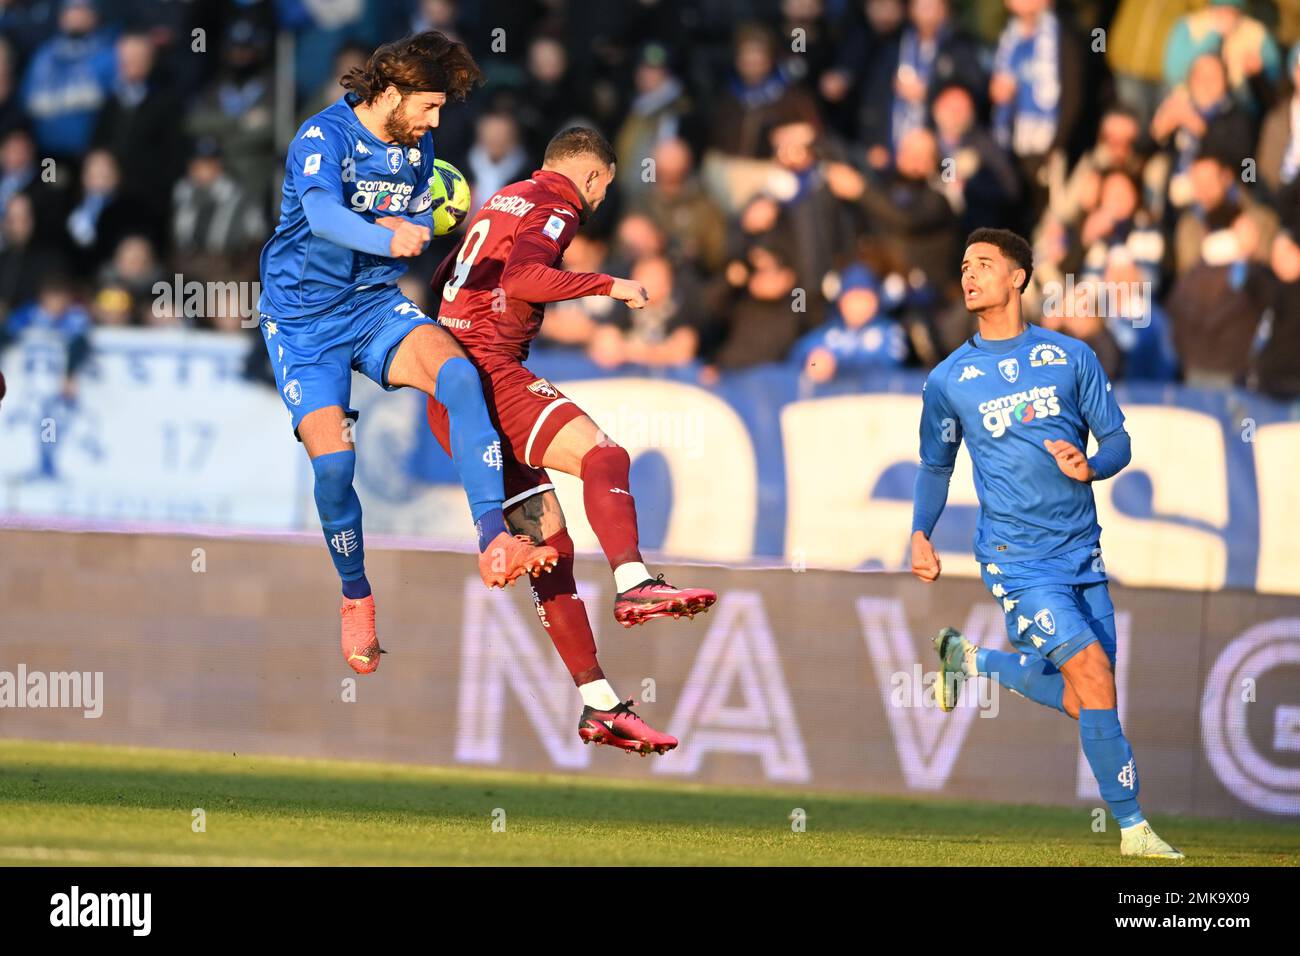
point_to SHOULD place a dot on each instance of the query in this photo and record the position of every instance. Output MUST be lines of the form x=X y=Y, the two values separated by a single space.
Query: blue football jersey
x=1004 y=399
x=303 y=274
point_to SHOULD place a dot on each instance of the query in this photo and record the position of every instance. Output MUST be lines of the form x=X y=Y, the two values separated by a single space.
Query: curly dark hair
x=1011 y=245
x=428 y=62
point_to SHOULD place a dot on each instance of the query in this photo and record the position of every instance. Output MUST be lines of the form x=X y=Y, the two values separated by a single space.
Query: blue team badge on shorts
x=1010 y=369
x=293 y=392
x=394 y=158
x=1046 y=623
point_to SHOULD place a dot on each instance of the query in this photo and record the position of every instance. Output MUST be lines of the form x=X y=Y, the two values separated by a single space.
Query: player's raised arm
x=318 y=156
x=940 y=437
x=529 y=272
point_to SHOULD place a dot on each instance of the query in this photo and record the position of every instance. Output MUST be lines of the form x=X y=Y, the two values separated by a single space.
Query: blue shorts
x=313 y=356
x=1054 y=607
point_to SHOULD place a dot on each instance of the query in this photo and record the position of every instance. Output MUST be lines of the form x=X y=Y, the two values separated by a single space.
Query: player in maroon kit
x=493 y=288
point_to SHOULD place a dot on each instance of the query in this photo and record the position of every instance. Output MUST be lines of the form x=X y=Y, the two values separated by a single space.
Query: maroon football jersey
x=494 y=285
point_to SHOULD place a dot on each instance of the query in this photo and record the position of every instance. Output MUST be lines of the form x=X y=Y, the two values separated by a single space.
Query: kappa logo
x=394 y=158
x=1045 y=353
x=293 y=392
x=313 y=132
x=544 y=388
x=1046 y=623
x=1010 y=369
x=361 y=148
x=968 y=373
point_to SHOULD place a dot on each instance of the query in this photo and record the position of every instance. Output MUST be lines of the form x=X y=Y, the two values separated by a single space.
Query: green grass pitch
x=73 y=804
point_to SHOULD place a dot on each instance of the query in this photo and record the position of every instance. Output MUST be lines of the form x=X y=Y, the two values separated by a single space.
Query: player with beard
x=493 y=287
x=356 y=203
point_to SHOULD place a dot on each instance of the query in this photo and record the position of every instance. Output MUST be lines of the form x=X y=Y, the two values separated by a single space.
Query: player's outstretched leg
x=581 y=449
x=961 y=660
x=605 y=719
x=429 y=359
x=333 y=463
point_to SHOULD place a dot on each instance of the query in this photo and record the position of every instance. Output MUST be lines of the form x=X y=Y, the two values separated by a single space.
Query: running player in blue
x=1024 y=399
x=356 y=204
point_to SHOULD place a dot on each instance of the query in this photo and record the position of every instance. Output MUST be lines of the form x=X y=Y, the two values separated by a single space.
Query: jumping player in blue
x=356 y=203
x=1024 y=399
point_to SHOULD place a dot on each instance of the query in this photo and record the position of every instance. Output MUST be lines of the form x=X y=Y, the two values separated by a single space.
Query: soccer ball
x=448 y=197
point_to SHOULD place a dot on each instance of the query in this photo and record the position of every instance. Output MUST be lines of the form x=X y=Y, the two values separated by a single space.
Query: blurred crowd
x=796 y=177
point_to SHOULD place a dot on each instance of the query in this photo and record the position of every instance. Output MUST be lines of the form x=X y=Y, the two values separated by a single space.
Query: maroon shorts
x=527 y=412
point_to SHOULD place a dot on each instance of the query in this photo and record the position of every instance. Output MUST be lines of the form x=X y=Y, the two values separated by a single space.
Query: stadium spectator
x=1276 y=370
x=573 y=323
x=101 y=213
x=23 y=258
x=1038 y=95
x=977 y=178
x=1137 y=322
x=113 y=306
x=1076 y=315
x=907 y=211
x=1251 y=56
x=54 y=312
x=67 y=81
x=1216 y=304
x=236 y=109
x=133 y=267
x=930 y=52
x=11 y=107
x=551 y=98
x=1279 y=136
x=21 y=174
x=1194 y=118
x=1224 y=213
x=663 y=334
x=761 y=324
x=857 y=336
x=678 y=205
x=757 y=97
x=658 y=112
x=859 y=80
x=497 y=157
x=1139 y=28
x=1116 y=149
x=819 y=226
x=217 y=228
x=138 y=125
x=1120 y=228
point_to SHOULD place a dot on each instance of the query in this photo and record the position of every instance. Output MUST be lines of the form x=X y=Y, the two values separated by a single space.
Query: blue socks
x=489 y=526
x=340 y=519
x=475 y=447
x=1111 y=759
x=1029 y=679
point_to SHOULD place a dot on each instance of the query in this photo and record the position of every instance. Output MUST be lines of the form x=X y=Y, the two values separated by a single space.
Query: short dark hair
x=1011 y=245
x=579 y=141
x=428 y=62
